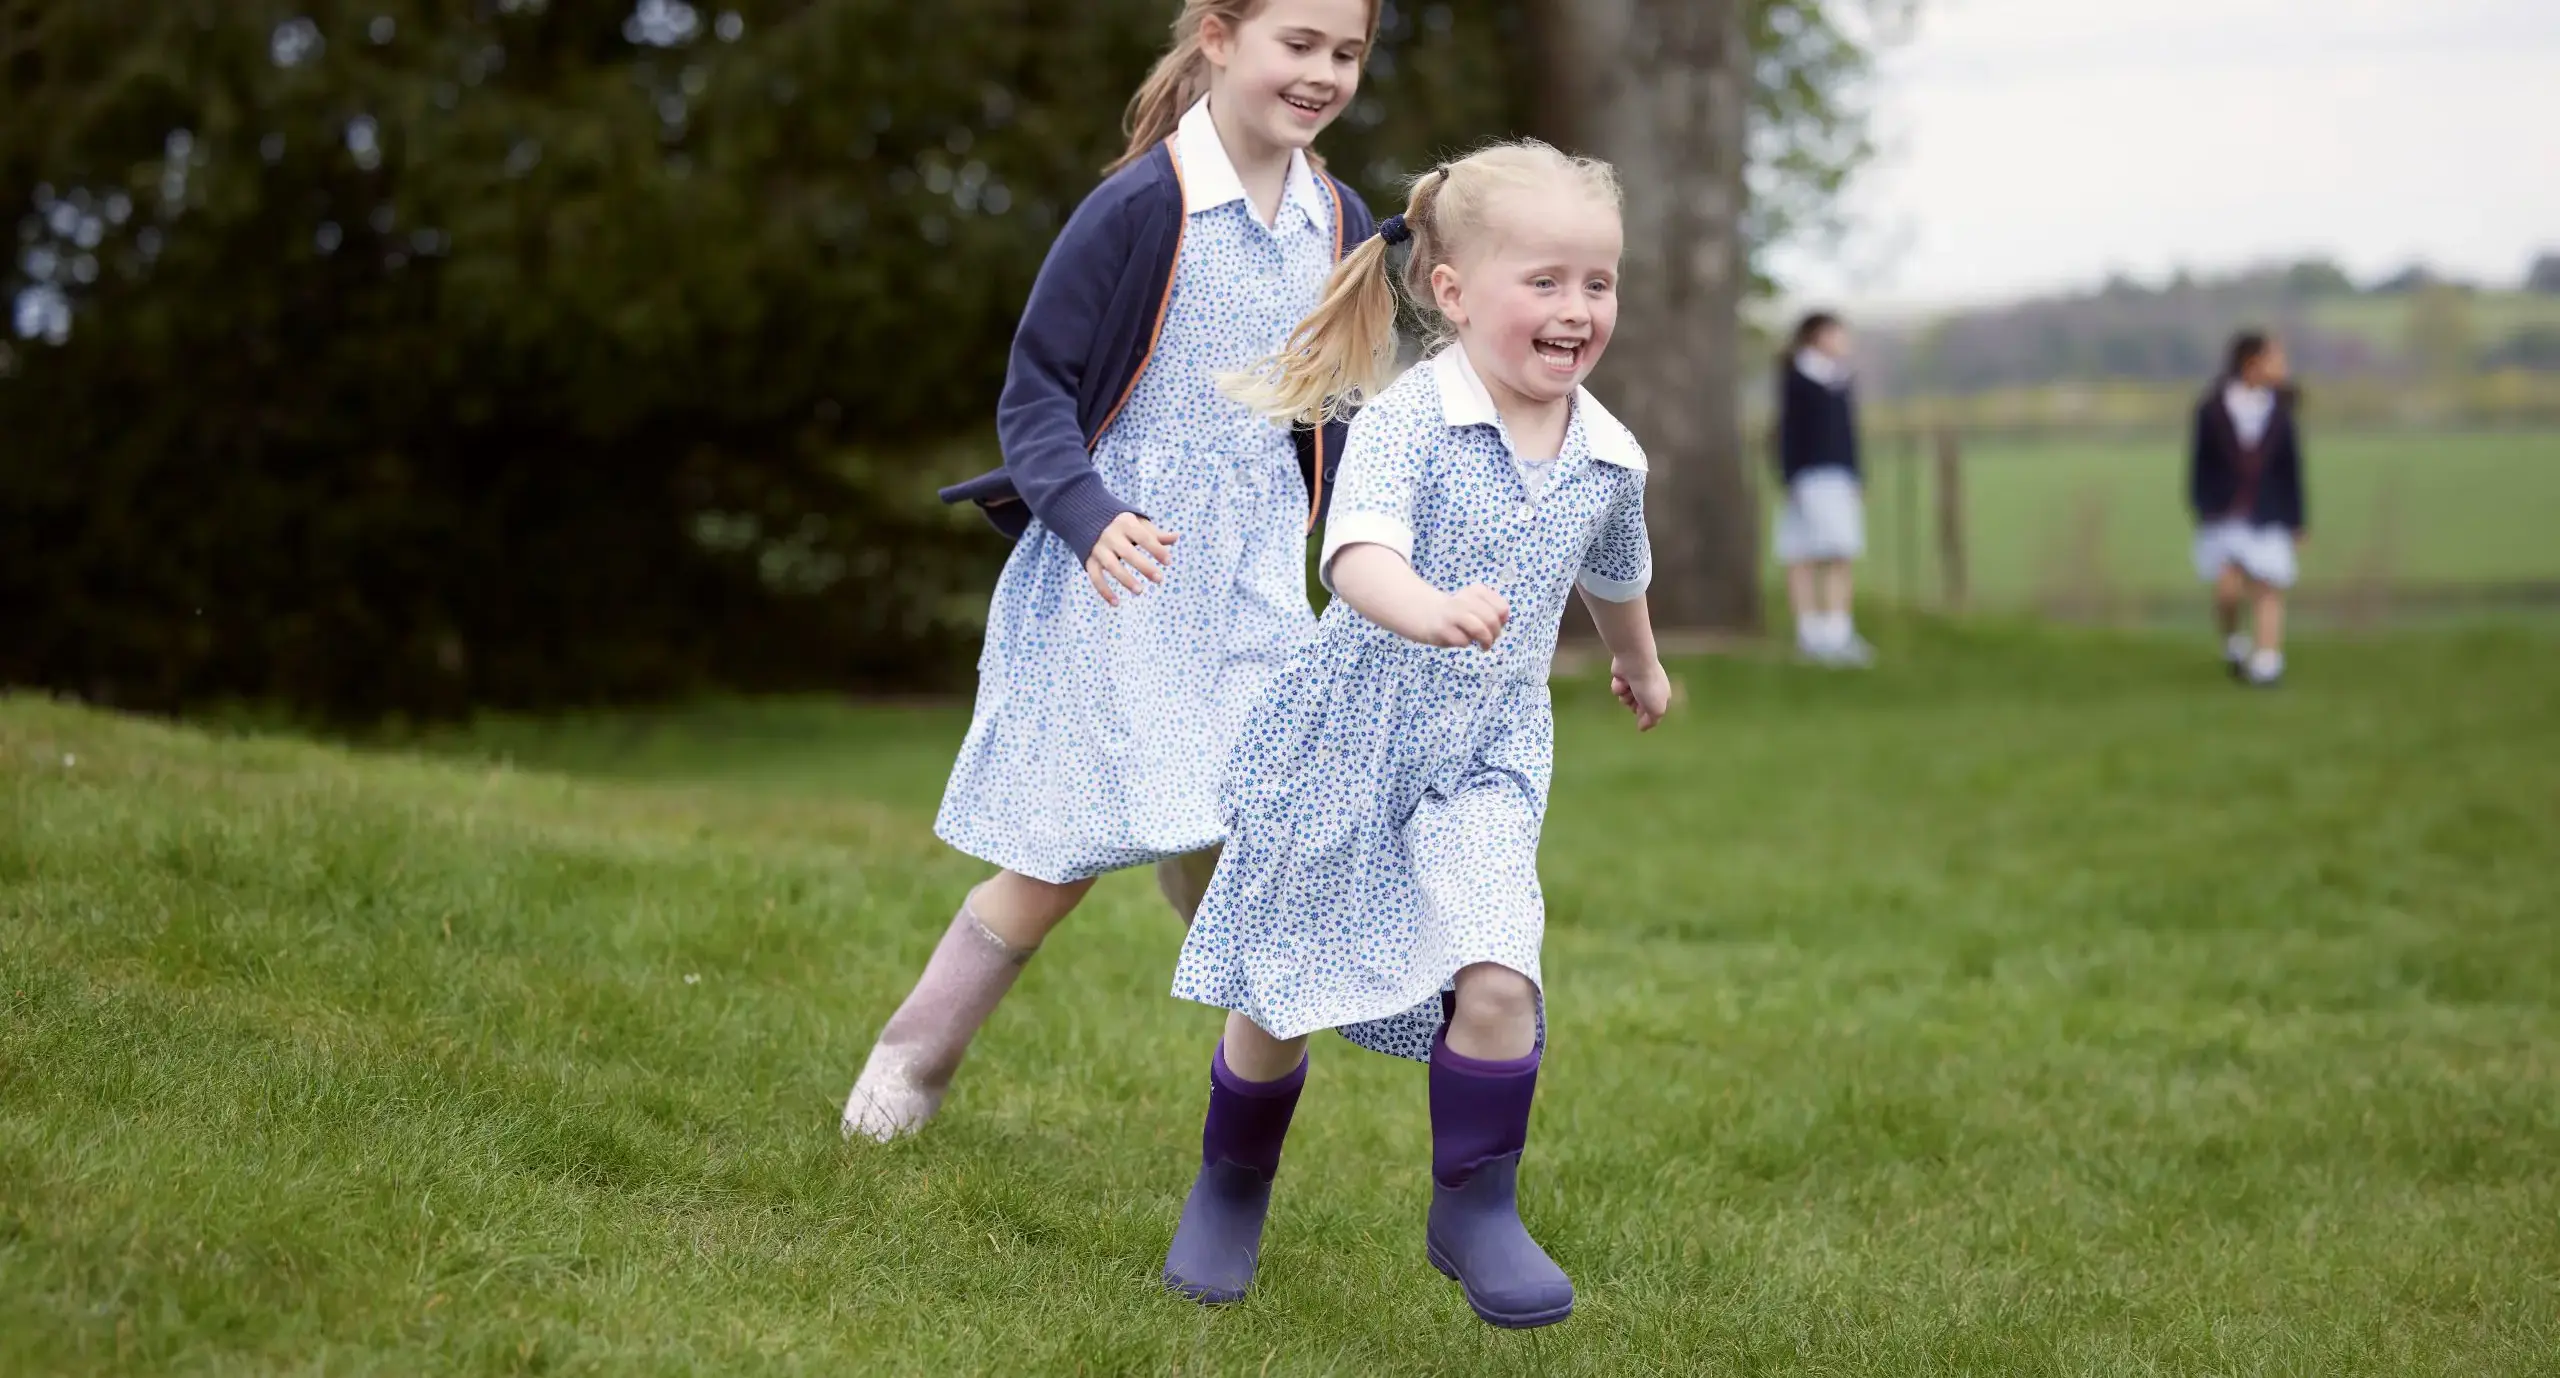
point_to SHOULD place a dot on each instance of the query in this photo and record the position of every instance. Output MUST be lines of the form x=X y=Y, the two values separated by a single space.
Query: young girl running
x=1380 y=875
x=1114 y=666
x=2244 y=484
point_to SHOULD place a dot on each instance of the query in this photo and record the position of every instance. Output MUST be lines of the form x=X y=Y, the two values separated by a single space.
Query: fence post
x=1906 y=544
x=1951 y=573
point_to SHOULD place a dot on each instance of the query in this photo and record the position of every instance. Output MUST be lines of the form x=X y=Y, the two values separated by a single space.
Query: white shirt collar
x=1465 y=402
x=1822 y=368
x=1209 y=177
x=2252 y=409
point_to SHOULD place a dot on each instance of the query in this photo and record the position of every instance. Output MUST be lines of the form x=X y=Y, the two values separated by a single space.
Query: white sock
x=2236 y=647
x=1826 y=631
x=2266 y=663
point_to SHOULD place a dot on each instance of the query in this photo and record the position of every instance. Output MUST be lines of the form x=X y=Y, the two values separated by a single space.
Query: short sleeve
x=1373 y=493
x=1619 y=565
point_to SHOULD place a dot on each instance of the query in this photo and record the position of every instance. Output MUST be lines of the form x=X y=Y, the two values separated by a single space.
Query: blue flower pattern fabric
x=1385 y=802
x=1097 y=726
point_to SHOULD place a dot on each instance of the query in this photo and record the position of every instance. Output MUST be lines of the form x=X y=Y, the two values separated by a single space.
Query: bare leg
x=2266 y=658
x=1497 y=1014
x=1184 y=879
x=2226 y=600
x=997 y=929
x=1838 y=583
x=1256 y=1056
x=2269 y=609
x=1804 y=600
x=1021 y=910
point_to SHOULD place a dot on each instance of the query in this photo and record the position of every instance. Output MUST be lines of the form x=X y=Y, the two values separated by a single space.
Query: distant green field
x=2415 y=513
x=2384 y=321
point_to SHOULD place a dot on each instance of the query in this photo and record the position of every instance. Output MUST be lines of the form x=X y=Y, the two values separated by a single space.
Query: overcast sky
x=2031 y=144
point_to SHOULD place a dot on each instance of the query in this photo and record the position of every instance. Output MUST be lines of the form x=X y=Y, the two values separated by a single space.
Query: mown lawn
x=2038 y=1004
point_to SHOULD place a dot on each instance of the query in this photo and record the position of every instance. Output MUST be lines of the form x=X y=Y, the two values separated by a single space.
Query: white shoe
x=1852 y=654
x=2236 y=649
x=886 y=1102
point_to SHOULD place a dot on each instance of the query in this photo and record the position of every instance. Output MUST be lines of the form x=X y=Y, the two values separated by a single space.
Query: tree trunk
x=1660 y=88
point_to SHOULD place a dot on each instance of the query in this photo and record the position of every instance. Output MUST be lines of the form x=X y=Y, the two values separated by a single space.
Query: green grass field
x=2038 y=1004
x=2422 y=514
x=2384 y=321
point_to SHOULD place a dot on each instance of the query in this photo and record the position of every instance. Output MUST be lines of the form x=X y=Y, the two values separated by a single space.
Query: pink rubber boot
x=910 y=1068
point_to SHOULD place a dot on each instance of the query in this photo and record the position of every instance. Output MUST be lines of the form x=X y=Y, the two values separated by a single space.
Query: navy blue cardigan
x=1087 y=335
x=1817 y=425
x=2226 y=480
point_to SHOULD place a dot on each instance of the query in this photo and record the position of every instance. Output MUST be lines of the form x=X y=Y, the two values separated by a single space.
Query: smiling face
x=1289 y=69
x=1534 y=299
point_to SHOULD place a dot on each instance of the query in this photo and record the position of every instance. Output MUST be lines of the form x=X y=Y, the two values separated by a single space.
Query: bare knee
x=1256 y=1056
x=1022 y=910
x=1184 y=880
x=1497 y=1014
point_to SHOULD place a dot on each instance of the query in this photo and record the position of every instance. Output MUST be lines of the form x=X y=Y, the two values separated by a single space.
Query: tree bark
x=1660 y=88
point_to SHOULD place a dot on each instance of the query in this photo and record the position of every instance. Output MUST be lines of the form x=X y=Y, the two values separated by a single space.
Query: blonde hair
x=1346 y=349
x=1181 y=76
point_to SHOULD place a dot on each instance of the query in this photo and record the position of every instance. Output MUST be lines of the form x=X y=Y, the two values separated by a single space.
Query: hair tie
x=1394 y=230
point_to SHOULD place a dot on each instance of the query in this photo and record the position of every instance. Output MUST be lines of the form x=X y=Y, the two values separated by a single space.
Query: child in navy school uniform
x=1822 y=523
x=2244 y=484
x=1384 y=808
x=1160 y=569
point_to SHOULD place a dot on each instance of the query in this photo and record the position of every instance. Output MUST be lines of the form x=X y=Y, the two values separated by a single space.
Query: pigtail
x=1338 y=355
x=1345 y=349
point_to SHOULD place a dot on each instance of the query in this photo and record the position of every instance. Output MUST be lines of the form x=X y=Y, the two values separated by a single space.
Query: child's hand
x=1115 y=556
x=1473 y=616
x=1645 y=689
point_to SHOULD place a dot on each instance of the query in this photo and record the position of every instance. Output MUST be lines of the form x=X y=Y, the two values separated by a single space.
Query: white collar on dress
x=1828 y=370
x=2238 y=395
x=1209 y=176
x=1465 y=402
x=2252 y=409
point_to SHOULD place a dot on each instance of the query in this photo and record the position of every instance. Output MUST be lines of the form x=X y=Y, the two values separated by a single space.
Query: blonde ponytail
x=1345 y=351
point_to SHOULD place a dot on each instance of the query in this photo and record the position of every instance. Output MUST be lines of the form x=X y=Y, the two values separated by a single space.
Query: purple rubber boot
x=1479 y=1125
x=1219 y=1240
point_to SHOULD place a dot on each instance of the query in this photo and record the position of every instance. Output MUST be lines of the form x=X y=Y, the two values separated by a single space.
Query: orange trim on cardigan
x=1155 y=336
